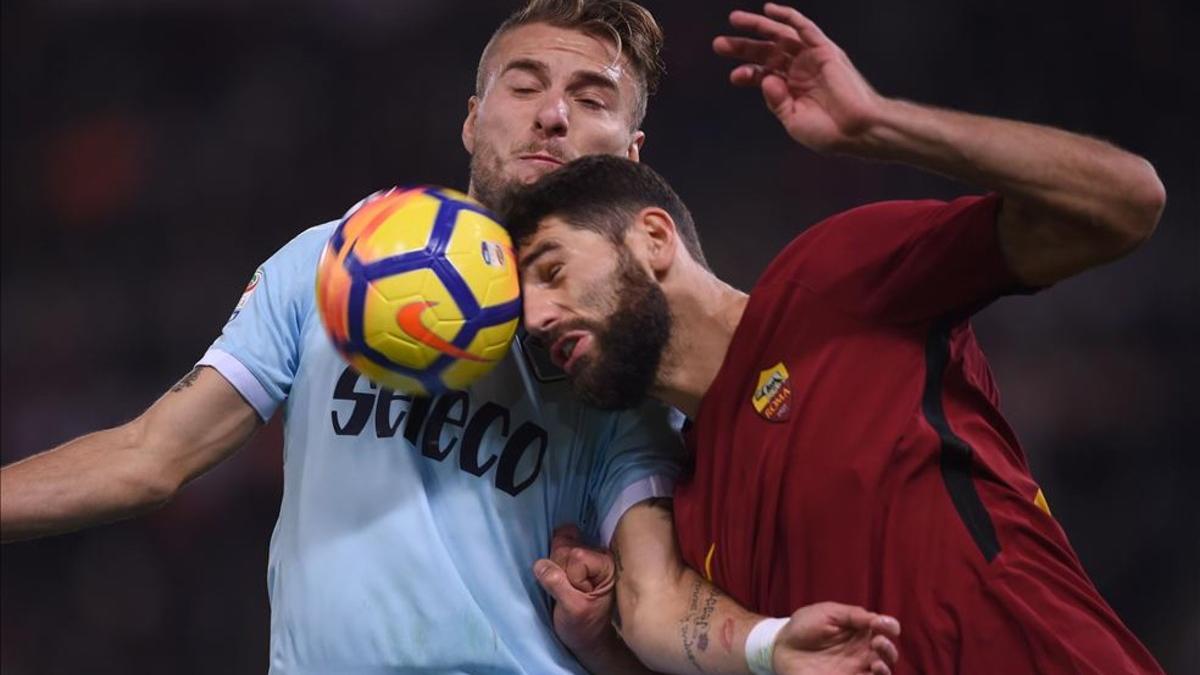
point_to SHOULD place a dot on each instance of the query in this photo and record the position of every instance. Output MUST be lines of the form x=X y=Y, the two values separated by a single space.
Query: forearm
x=611 y=657
x=124 y=471
x=97 y=478
x=682 y=624
x=1079 y=177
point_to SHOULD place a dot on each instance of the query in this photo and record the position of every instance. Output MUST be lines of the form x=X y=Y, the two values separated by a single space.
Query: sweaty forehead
x=564 y=50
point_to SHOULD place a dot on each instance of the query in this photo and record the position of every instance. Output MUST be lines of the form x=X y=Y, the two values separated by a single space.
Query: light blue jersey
x=409 y=527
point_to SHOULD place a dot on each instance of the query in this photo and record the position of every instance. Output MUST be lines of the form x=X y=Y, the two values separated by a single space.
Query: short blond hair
x=631 y=27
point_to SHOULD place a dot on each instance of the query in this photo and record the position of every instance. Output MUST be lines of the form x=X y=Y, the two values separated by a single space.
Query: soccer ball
x=418 y=289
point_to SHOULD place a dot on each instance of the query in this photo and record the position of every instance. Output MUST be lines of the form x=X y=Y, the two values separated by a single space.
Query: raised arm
x=675 y=621
x=130 y=469
x=1070 y=202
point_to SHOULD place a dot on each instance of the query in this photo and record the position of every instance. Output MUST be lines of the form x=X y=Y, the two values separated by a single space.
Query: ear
x=468 y=129
x=659 y=239
x=634 y=151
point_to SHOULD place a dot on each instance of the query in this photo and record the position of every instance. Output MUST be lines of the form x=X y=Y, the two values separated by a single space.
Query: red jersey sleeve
x=902 y=261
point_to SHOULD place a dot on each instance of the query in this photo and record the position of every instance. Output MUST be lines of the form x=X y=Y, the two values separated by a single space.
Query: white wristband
x=760 y=646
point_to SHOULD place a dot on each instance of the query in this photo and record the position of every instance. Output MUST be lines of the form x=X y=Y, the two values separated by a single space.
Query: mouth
x=568 y=349
x=542 y=158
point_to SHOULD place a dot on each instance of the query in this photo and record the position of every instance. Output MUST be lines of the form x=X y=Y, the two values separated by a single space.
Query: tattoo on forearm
x=187 y=381
x=693 y=628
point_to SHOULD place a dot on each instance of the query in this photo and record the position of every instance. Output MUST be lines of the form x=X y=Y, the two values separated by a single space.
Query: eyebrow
x=538 y=69
x=588 y=78
x=579 y=78
x=538 y=251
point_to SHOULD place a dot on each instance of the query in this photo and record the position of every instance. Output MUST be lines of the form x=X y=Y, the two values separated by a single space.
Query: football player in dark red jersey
x=845 y=427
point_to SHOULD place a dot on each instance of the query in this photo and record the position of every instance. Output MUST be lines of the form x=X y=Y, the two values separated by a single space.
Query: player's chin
x=602 y=392
x=529 y=172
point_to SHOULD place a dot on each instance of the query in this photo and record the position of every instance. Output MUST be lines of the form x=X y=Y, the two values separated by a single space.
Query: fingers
x=565 y=539
x=747 y=75
x=589 y=570
x=776 y=94
x=554 y=579
x=880 y=668
x=885 y=648
x=785 y=26
x=774 y=87
x=847 y=616
x=762 y=52
x=782 y=35
x=886 y=625
x=566 y=536
x=807 y=31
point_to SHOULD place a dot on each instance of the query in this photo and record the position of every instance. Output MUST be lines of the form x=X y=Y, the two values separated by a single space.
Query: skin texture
x=675 y=621
x=1069 y=203
x=549 y=92
x=617 y=337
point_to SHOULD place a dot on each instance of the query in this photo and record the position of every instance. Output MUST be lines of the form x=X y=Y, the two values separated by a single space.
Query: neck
x=705 y=311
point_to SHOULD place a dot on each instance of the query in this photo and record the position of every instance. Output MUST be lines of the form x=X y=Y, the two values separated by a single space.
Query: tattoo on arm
x=187 y=381
x=693 y=628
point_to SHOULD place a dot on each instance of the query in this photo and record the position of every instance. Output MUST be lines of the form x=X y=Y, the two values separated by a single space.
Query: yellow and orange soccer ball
x=418 y=289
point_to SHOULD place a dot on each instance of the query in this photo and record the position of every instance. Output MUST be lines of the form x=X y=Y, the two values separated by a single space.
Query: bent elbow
x=148 y=480
x=156 y=491
x=647 y=612
x=1146 y=201
x=636 y=621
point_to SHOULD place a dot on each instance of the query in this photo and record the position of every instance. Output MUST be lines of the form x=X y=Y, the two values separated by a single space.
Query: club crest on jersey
x=773 y=395
x=258 y=275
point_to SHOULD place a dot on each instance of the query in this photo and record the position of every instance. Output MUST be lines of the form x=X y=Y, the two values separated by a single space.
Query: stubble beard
x=488 y=185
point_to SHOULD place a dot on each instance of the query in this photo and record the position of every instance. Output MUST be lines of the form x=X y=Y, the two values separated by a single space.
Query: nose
x=552 y=117
x=539 y=313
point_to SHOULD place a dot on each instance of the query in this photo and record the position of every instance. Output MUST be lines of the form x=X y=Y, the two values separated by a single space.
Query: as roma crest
x=773 y=396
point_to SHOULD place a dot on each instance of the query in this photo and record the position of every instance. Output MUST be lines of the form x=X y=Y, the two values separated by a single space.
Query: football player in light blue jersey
x=409 y=527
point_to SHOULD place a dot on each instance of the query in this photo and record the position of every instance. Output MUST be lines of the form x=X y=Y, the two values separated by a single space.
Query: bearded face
x=626 y=343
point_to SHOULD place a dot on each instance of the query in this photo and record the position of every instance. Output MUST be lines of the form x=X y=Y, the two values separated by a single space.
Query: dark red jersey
x=851 y=448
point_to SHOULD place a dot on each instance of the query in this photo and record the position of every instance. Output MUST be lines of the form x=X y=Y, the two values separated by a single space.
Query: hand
x=581 y=581
x=830 y=637
x=807 y=81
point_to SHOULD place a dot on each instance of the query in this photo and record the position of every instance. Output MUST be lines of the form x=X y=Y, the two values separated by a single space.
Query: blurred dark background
x=155 y=152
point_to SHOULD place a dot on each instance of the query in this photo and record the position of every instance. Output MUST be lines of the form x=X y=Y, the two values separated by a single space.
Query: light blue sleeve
x=259 y=348
x=639 y=458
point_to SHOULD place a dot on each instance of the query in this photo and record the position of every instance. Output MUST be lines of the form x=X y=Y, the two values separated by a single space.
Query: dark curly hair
x=601 y=193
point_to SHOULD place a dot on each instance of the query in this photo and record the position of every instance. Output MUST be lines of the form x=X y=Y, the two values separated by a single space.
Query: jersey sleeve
x=904 y=261
x=258 y=351
x=640 y=459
